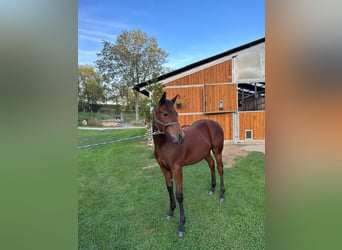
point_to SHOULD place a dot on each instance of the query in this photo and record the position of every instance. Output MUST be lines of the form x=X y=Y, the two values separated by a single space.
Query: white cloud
x=93 y=33
x=101 y=24
x=183 y=59
x=88 y=52
x=89 y=38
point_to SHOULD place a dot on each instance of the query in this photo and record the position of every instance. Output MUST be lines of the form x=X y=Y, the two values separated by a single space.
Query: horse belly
x=196 y=152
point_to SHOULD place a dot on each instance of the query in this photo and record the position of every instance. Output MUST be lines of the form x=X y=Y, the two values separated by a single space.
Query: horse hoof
x=180 y=234
x=211 y=192
x=222 y=200
x=169 y=217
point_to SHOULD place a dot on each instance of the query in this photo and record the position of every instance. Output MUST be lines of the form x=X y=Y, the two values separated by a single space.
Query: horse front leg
x=169 y=215
x=178 y=175
x=169 y=186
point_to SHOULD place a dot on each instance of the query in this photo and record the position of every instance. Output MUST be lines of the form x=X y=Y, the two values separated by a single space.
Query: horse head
x=165 y=119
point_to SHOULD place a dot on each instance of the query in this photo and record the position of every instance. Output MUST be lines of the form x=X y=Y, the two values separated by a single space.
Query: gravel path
x=232 y=150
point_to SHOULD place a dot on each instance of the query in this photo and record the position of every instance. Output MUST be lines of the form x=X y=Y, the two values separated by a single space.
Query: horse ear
x=174 y=99
x=162 y=99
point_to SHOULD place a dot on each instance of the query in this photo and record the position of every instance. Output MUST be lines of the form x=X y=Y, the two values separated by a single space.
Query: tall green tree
x=90 y=89
x=133 y=58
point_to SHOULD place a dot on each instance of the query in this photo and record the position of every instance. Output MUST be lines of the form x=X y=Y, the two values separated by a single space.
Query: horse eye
x=166 y=114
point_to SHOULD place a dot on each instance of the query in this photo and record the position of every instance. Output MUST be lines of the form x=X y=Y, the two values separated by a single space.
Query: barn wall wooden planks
x=226 y=93
x=252 y=120
x=219 y=73
x=225 y=120
x=191 y=99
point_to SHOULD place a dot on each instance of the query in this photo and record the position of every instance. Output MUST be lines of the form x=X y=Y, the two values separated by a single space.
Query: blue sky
x=188 y=30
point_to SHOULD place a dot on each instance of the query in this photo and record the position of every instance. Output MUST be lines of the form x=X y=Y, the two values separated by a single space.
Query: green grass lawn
x=123 y=200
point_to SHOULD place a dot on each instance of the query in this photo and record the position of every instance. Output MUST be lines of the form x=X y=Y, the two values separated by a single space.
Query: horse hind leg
x=219 y=165
x=211 y=164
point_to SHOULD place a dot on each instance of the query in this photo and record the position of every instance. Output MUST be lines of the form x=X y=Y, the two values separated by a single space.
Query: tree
x=156 y=90
x=90 y=90
x=134 y=58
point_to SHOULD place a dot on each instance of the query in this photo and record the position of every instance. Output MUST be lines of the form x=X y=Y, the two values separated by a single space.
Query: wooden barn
x=228 y=87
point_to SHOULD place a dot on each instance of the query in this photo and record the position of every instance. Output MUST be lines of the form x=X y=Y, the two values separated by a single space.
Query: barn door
x=220 y=98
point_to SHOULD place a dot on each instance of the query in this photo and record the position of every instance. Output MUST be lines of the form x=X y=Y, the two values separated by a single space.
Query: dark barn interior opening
x=251 y=96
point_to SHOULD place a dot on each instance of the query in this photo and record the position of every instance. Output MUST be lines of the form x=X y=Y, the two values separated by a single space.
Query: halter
x=164 y=124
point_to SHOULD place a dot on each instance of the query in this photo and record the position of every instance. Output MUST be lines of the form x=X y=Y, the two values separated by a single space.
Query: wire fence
x=113 y=141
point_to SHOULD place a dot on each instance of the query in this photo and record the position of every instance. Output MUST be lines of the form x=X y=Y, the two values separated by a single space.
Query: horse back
x=209 y=129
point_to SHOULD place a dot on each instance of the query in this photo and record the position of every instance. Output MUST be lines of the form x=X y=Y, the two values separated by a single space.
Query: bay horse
x=175 y=147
